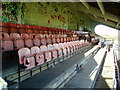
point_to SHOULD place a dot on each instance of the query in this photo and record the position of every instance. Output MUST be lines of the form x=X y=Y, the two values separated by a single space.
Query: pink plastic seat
x=67 y=47
x=36 y=42
x=7 y=43
x=32 y=35
x=25 y=36
x=51 y=35
x=53 y=40
x=39 y=56
x=61 y=45
x=15 y=36
x=48 y=54
x=58 y=40
x=6 y=36
x=18 y=41
x=28 y=42
x=43 y=41
x=61 y=40
x=54 y=51
x=46 y=35
x=65 y=39
x=39 y=36
x=26 y=59
x=71 y=47
x=60 y=52
x=48 y=40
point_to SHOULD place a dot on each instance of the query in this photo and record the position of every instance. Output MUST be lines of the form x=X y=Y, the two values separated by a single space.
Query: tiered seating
x=37 y=45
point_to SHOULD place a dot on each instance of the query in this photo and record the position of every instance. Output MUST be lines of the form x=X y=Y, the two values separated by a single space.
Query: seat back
x=36 y=42
x=6 y=36
x=39 y=56
x=22 y=53
x=50 y=47
x=14 y=36
x=28 y=42
x=43 y=48
x=7 y=45
x=26 y=58
x=35 y=49
x=43 y=41
x=24 y=35
x=48 y=40
x=19 y=43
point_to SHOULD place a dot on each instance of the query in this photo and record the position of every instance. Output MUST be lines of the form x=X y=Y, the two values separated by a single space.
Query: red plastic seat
x=36 y=42
x=12 y=28
x=39 y=56
x=48 y=54
x=21 y=28
x=25 y=58
x=29 y=30
x=54 y=51
x=4 y=27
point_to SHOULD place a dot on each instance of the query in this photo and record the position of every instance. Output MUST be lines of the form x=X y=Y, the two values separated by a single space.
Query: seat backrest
x=29 y=31
x=55 y=46
x=29 y=42
x=39 y=36
x=61 y=45
x=6 y=36
x=48 y=40
x=7 y=45
x=46 y=35
x=50 y=47
x=53 y=40
x=32 y=35
x=43 y=41
x=22 y=53
x=24 y=35
x=14 y=35
x=35 y=49
x=1 y=37
x=43 y=48
x=19 y=43
x=58 y=40
x=51 y=35
x=36 y=42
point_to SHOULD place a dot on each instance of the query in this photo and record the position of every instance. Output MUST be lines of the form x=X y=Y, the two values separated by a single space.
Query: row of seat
x=19 y=28
x=32 y=35
x=35 y=56
x=16 y=41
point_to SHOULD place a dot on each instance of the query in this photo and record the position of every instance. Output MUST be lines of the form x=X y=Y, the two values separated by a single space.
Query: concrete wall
x=64 y=15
